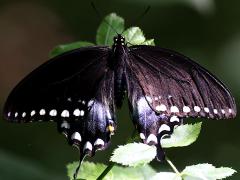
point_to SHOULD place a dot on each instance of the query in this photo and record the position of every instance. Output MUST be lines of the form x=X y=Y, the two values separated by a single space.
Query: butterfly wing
x=73 y=89
x=174 y=84
x=165 y=86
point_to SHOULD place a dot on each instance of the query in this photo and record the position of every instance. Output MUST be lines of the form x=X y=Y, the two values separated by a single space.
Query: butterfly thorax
x=118 y=64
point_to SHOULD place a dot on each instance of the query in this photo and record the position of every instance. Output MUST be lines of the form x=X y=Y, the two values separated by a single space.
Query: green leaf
x=91 y=171
x=134 y=36
x=133 y=173
x=68 y=47
x=206 y=172
x=88 y=170
x=183 y=135
x=166 y=175
x=149 y=42
x=110 y=26
x=134 y=154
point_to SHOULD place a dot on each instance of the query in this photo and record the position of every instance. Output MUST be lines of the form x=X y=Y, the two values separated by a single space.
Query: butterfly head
x=119 y=40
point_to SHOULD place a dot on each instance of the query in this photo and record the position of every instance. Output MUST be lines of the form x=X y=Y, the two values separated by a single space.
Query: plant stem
x=172 y=166
x=111 y=164
x=106 y=171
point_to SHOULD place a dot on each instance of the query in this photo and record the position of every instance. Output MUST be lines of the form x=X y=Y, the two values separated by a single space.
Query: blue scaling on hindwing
x=152 y=126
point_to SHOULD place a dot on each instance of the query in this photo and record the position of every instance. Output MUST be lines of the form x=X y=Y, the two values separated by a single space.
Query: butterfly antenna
x=100 y=16
x=82 y=156
x=142 y=15
x=137 y=20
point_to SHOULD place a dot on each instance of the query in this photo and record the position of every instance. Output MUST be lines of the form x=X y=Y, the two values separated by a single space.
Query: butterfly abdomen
x=119 y=82
x=120 y=89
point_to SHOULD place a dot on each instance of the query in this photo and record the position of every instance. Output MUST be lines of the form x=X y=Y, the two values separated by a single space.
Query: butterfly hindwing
x=152 y=126
x=93 y=132
x=174 y=84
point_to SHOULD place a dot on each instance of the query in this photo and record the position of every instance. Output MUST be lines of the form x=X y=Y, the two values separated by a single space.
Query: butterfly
x=81 y=89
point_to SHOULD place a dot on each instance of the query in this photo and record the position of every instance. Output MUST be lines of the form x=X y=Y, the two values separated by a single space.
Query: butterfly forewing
x=174 y=84
x=58 y=83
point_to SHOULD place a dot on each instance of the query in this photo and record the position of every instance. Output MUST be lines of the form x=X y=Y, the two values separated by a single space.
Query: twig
x=173 y=166
x=106 y=171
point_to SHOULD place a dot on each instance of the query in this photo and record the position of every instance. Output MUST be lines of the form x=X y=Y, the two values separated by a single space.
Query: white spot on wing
x=16 y=114
x=223 y=111
x=161 y=107
x=76 y=136
x=142 y=136
x=9 y=114
x=53 y=112
x=186 y=109
x=197 y=109
x=151 y=138
x=65 y=113
x=174 y=109
x=206 y=110
x=230 y=110
x=33 y=113
x=82 y=113
x=163 y=127
x=88 y=146
x=24 y=114
x=215 y=111
x=76 y=112
x=174 y=119
x=99 y=142
x=42 y=112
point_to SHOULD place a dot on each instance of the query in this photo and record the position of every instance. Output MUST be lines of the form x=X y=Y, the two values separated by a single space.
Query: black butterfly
x=81 y=89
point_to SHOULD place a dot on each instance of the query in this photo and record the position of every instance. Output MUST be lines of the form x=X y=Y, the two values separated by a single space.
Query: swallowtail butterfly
x=81 y=89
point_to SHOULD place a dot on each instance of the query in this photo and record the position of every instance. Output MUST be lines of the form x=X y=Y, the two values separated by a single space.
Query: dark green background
x=208 y=33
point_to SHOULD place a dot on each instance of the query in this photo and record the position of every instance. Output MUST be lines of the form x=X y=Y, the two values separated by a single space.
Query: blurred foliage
x=210 y=38
x=21 y=169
